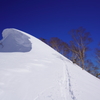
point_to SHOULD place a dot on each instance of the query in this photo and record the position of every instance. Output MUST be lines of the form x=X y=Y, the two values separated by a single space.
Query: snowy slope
x=31 y=70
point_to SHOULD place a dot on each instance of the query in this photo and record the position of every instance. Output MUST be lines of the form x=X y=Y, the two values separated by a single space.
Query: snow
x=34 y=71
x=15 y=41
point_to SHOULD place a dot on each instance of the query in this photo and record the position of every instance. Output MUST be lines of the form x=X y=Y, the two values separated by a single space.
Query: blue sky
x=51 y=18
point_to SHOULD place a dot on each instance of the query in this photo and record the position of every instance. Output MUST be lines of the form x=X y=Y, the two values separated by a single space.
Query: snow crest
x=15 y=41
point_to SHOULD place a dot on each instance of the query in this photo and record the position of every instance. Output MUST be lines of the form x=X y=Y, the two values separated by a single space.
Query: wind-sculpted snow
x=15 y=41
x=41 y=73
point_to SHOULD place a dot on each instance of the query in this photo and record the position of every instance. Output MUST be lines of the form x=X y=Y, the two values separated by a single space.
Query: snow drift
x=40 y=73
x=15 y=41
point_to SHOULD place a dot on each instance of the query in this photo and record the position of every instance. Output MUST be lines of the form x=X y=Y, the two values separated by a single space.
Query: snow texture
x=15 y=41
x=40 y=73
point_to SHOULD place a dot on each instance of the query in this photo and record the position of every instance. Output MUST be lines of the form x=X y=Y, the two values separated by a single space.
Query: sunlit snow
x=31 y=70
x=15 y=41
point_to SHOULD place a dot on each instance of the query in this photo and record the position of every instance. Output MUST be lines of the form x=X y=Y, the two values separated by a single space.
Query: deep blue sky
x=51 y=18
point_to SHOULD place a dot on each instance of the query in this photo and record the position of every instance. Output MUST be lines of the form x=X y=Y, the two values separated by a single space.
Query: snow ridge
x=15 y=41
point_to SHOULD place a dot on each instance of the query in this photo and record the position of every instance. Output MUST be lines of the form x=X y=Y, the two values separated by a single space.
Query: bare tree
x=64 y=49
x=44 y=40
x=97 y=53
x=59 y=45
x=79 y=44
x=55 y=43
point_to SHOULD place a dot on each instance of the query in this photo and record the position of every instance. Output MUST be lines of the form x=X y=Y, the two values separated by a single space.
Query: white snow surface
x=15 y=41
x=31 y=70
